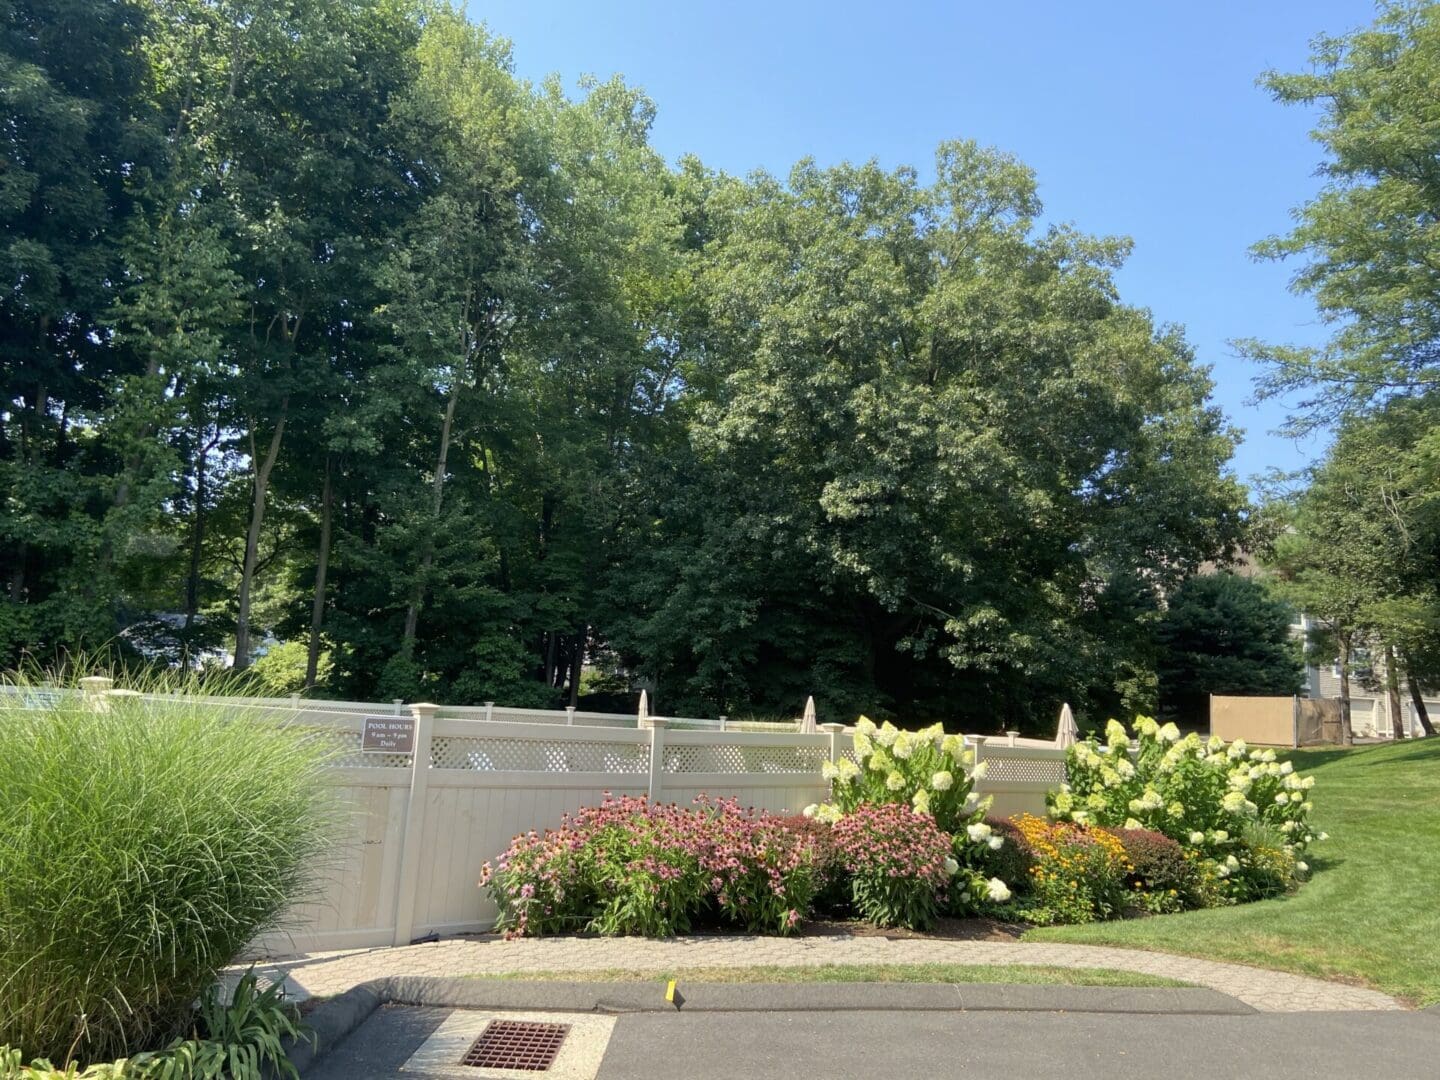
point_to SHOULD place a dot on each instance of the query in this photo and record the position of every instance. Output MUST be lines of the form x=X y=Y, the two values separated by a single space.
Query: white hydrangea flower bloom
x=810 y=810
x=1131 y=823
x=894 y=782
x=829 y=770
x=996 y=843
x=887 y=734
x=1302 y=867
x=942 y=780
x=951 y=866
x=1197 y=838
x=847 y=770
x=998 y=890
x=904 y=746
x=979 y=771
x=921 y=801
x=865 y=726
x=1169 y=733
x=979 y=831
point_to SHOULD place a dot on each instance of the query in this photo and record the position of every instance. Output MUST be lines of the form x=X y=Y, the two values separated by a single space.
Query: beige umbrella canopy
x=644 y=709
x=1068 y=734
x=807 y=722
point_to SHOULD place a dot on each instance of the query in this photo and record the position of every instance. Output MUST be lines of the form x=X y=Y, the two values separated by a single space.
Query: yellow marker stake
x=670 y=991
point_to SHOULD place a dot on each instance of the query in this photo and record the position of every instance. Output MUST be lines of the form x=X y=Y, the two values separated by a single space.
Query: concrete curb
x=459 y=993
x=333 y=1020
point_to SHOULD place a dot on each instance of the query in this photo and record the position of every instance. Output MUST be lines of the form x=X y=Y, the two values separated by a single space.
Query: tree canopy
x=325 y=327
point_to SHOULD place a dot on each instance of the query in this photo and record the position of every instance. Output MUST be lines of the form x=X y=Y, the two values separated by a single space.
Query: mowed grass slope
x=1371 y=913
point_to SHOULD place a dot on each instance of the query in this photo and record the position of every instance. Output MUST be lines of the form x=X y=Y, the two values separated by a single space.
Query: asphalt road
x=878 y=1045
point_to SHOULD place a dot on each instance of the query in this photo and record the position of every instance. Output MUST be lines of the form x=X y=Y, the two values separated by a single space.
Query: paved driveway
x=889 y=1044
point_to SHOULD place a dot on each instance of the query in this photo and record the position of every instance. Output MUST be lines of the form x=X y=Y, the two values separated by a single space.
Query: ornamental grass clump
x=143 y=844
x=631 y=866
x=1203 y=794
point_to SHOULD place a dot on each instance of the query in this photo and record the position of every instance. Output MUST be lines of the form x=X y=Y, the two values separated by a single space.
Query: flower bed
x=1239 y=814
x=1177 y=824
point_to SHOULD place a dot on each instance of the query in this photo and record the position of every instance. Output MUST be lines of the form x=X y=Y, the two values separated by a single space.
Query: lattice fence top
x=1026 y=770
x=483 y=753
x=730 y=758
x=346 y=742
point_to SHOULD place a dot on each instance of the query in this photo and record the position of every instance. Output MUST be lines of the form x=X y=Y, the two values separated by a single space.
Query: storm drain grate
x=516 y=1044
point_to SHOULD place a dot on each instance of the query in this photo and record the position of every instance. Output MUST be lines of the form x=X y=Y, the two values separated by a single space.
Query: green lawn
x=1371 y=914
x=845 y=973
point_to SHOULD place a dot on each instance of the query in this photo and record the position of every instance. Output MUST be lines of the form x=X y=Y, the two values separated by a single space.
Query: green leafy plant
x=143 y=843
x=898 y=864
x=1163 y=877
x=931 y=772
x=242 y=1041
x=1202 y=794
x=242 y=1038
x=1078 y=874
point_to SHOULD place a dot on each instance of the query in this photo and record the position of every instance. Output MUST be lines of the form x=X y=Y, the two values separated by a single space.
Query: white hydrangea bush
x=1204 y=794
x=934 y=773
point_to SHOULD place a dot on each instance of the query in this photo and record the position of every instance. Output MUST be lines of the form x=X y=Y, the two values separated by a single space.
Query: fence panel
x=416 y=838
x=1267 y=721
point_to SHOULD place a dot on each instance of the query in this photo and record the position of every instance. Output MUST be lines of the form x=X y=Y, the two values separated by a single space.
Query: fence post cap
x=96 y=684
x=424 y=708
x=656 y=721
x=832 y=727
x=978 y=740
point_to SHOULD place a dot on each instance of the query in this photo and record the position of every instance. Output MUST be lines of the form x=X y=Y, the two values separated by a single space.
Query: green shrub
x=1163 y=877
x=1012 y=861
x=929 y=771
x=142 y=845
x=1201 y=794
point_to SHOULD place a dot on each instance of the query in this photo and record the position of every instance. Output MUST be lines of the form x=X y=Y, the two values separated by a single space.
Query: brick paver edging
x=327 y=974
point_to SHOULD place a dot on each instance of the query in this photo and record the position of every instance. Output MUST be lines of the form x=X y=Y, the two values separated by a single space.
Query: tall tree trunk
x=197 y=533
x=1347 y=733
x=17 y=576
x=1421 y=713
x=262 y=470
x=577 y=659
x=1392 y=693
x=322 y=564
x=437 y=497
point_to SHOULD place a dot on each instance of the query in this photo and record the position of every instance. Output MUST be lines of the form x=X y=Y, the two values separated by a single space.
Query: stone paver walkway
x=325 y=974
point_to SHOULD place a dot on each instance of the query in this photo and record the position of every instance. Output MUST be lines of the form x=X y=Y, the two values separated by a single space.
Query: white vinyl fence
x=417 y=836
x=414 y=838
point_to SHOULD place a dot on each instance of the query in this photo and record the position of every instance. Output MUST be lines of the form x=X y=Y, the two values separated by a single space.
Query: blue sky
x=1140 y=118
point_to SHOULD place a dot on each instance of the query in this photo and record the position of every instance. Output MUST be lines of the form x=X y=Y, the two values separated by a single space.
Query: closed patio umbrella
x=1068 y=734
x=807 y=722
